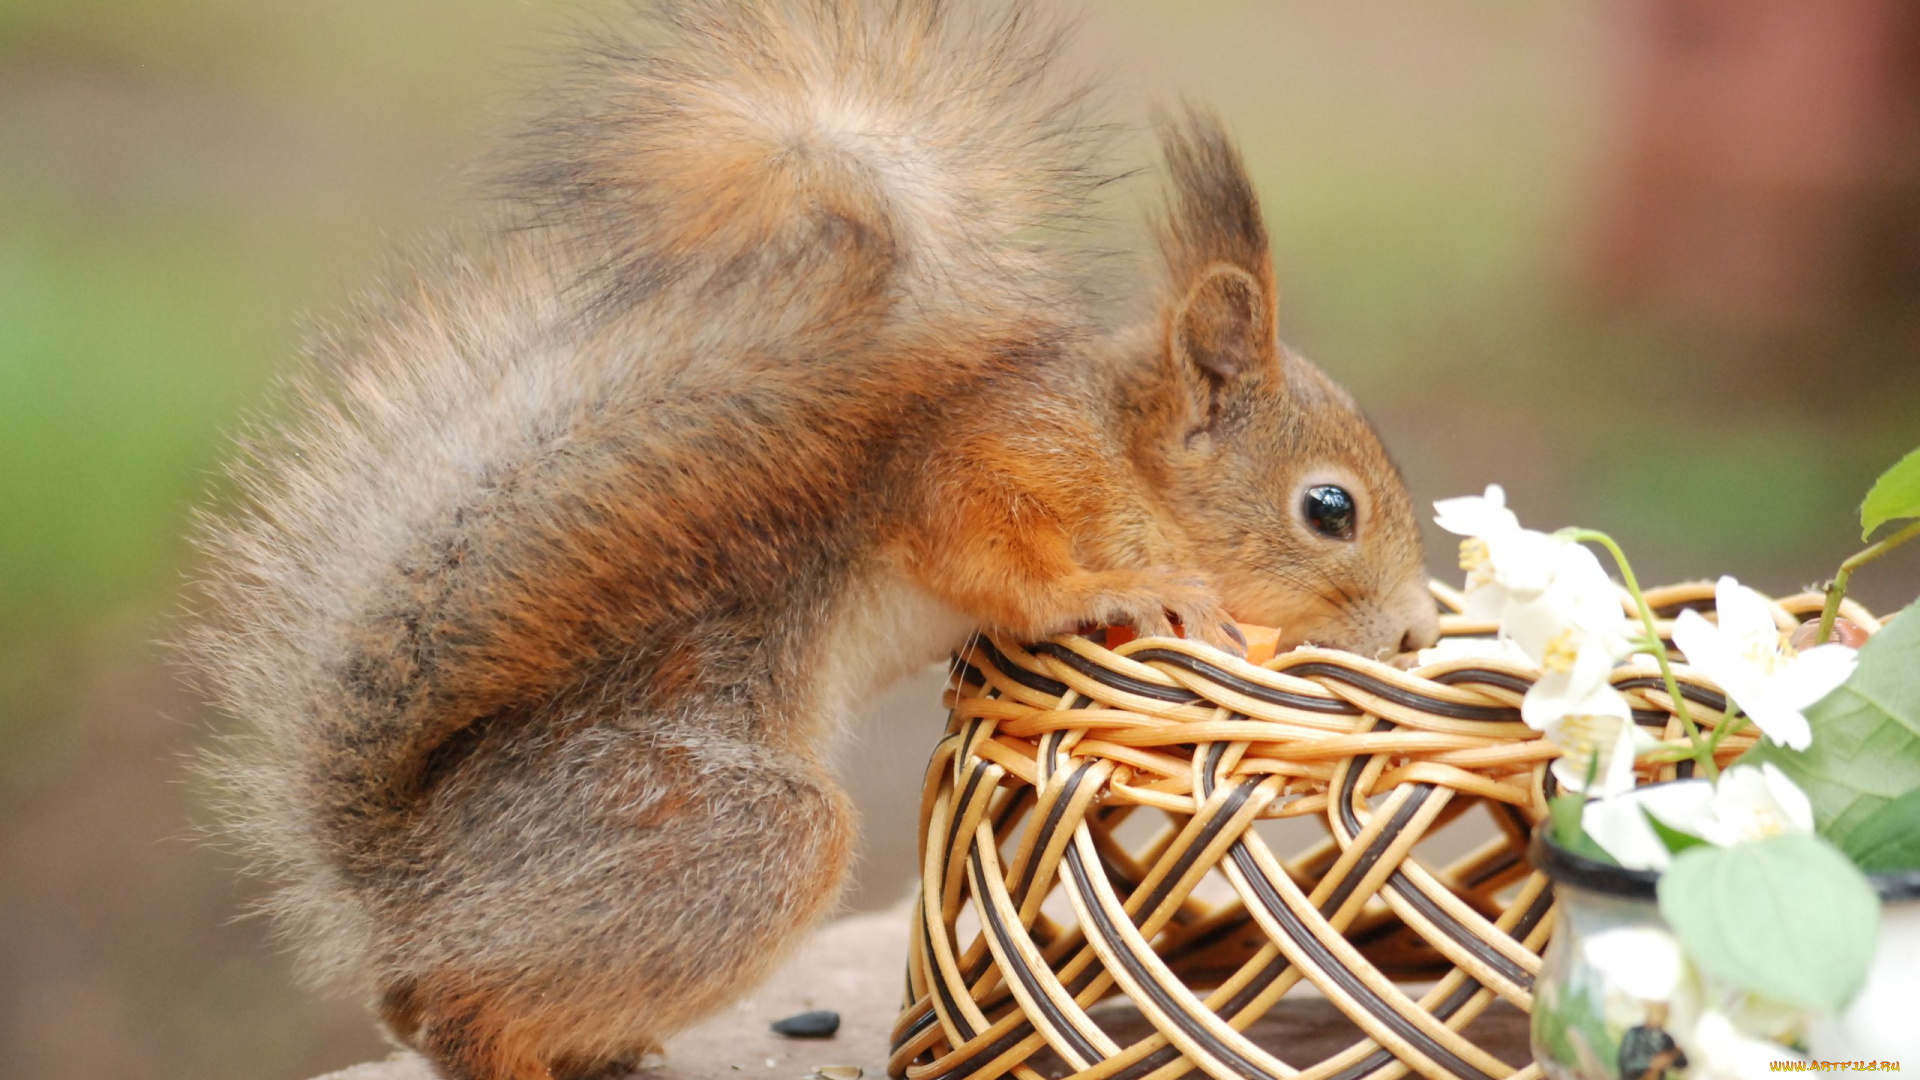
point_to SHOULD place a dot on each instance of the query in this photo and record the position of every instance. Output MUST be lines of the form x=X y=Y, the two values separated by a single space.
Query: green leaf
x=1894 y=496
x=1866 y=735
x=1565 y=813
x=1787 y=918
x=1888 y=840
x=1675 y=840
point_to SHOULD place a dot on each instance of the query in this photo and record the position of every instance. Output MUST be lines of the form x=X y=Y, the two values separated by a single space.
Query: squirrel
x=781 y=368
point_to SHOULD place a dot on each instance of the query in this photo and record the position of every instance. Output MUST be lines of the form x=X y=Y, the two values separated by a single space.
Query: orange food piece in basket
x=1262 y=642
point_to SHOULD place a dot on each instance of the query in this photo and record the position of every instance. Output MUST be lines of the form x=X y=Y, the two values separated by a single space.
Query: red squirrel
x=779 y=369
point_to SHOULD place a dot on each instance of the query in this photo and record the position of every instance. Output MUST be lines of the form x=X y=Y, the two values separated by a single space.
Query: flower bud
x=1845 y=632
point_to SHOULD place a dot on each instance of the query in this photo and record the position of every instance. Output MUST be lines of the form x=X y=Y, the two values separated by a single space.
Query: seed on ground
x=819 y=1024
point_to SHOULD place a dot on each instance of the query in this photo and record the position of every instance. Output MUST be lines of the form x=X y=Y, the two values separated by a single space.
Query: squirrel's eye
x=1330 y=511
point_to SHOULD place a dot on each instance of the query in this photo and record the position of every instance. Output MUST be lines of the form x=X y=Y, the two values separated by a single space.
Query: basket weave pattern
x=1082 y=796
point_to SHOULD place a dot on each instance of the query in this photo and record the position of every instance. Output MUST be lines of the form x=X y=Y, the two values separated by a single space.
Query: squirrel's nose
x=1424 y=631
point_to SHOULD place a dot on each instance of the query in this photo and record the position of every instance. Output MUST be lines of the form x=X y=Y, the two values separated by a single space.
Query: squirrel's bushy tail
x=446 y=527
x=823 y=154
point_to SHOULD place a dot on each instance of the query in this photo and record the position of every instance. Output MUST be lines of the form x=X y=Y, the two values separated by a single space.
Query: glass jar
x=1586 y=1025
x=1614 y=998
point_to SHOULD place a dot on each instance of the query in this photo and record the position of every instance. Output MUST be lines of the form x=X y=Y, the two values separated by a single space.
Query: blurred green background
x=181 y=181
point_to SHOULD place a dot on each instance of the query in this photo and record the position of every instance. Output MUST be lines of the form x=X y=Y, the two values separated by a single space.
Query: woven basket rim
x=1666 y=601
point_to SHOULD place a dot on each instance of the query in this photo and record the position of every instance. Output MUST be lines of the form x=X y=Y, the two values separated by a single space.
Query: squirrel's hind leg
x=583 y=898
x=616 y=1068
x=463 y=1030
x=447 y=1025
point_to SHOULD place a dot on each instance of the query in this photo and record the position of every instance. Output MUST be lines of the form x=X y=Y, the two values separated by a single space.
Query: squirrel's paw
x=1153 y=601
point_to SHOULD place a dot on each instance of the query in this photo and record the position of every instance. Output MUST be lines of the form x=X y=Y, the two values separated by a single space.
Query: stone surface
x=856 y=967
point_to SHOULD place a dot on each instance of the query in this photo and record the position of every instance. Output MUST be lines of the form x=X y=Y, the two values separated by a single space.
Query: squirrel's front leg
x=1005 y=553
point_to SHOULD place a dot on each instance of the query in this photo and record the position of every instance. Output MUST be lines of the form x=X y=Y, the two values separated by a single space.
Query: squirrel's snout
x=1380 y=625
x=1422 y=634
x=1419 y=618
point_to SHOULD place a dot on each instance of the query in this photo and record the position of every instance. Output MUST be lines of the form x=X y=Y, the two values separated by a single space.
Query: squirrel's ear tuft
x=1222 y=307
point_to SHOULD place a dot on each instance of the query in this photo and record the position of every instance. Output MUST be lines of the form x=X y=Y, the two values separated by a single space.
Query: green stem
x=1729 y=724
x=1837 y=588
x=1702 y=754
x=1667 y=755
x=1733 y=724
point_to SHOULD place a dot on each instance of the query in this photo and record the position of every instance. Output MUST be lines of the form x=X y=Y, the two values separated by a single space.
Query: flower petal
x=1619 y=776
x=1593 y=665
x=1578 y=611
x=1701 y=641
x=1739 y=799
x=1598 y=740
x=1677 y=802
x=1547 y=700
x=1579 y=569
x=1534 y=624
x=1556 y=694
x=1476 y=515
x=1814 y=674
x=1746 y=622
x=1488 y=602
x=1617 y=824
x=1795 y=808
x=1749 y=804
x=1526 y=560
x=1781 y=722
x=1680 y=806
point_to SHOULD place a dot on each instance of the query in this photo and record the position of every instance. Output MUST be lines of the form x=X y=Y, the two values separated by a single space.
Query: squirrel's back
x=652 y=391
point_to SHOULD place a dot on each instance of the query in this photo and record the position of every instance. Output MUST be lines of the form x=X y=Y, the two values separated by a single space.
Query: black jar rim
x=1566 y=867
x=1571 y=868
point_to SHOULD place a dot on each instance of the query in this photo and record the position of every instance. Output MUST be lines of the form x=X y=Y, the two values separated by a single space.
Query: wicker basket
x=1096 y=825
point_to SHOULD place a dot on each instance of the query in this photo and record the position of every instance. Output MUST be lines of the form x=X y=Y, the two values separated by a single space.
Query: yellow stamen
x=1561 y=652
x=1476 y=560
x=1588 y=741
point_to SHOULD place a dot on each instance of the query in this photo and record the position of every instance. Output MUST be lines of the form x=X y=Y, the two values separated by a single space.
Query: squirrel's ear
x=1220 y=328
x=1221 y=322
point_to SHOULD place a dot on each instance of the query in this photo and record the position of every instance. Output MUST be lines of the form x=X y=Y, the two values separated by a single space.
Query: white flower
x=1751 y=804
x=1745 y=804
x=1595 y=735
x=1618 y=824
x=1747 y=656
x=1718 y=1050
x=1644 y=962
x=1503 y=561
x=1550 y=596
x=1575 y=630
